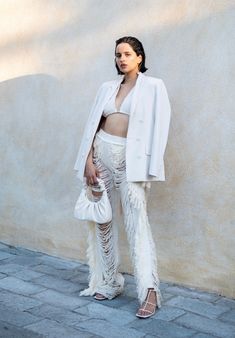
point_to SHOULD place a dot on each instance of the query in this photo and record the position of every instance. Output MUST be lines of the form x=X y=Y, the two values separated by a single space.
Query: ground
x=39 y=297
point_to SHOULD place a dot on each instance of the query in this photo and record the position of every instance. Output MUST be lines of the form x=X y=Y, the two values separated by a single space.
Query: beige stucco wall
x=54 y=55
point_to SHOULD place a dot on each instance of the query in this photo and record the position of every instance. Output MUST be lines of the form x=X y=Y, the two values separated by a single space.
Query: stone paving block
x=19 y=251
x=203 y=308
x=99 y=311
x=22 y=260
x=226 y=302
x=166 y=296
x=2 y=275
x=9 y=249
x=229 y=317
x=80 y=277
x=202 y=335
x=161 y=328
x=84 y=268
x=115 y=302
x=19 y=302
x=129 y=279
x=18 y=286
x=11 y=331
x=168 y=313
x=52 y=329
x=11 y=316
x=4 y=255
x=59 y=299
x=164 y=285
x=58 y=263
x=130 y=291
x=3 y=246
x=9 y=268
x=131 y=306
x=57 y=284
x=205 y=325
x=26 y=274
x=67 y=317
x=80 y=286
x=50 y=270
x=192 y=293
x=107 y=330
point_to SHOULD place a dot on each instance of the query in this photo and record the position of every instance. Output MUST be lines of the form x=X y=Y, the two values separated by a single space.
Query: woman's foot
x=148 y=308
x=99 y=296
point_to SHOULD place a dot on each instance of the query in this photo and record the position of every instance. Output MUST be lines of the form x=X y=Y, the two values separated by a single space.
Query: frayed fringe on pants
x=102 y=252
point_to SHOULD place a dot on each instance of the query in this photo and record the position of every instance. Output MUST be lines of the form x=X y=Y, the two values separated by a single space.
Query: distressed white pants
x=103 y=256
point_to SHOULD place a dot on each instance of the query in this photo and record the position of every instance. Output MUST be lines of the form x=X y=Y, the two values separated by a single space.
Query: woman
x=124 y=143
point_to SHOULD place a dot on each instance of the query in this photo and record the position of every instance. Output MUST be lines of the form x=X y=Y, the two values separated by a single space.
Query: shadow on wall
x=35 y=150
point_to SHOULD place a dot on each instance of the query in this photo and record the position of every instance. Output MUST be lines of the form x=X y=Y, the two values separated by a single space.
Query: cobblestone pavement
x=39 y=297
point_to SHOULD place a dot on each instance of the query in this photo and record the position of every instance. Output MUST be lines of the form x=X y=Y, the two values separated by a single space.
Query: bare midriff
x=116 y=124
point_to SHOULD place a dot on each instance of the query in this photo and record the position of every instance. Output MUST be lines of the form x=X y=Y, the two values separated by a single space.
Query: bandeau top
x=110 y=107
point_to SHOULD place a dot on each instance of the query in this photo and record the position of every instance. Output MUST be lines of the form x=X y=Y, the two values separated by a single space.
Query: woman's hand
x=91 y=173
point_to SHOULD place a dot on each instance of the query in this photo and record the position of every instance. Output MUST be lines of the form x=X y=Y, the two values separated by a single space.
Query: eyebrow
x=126 y=51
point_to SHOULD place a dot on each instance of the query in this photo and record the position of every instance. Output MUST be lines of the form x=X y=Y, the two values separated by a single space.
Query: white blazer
x=148 y=128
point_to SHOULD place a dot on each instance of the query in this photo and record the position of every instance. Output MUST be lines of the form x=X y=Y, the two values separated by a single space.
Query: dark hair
x=137 y=47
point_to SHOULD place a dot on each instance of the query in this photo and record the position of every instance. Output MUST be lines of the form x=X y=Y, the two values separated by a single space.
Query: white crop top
x=110 y=107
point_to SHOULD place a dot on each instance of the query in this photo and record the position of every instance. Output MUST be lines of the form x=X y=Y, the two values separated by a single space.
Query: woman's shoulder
x=109 y=83
x=155 y=81
x=152 y=80
x=104 y=85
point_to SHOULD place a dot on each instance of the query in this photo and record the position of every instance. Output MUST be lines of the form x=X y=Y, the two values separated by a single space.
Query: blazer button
x=137 y=139
x=139 y=157
x=141 y=121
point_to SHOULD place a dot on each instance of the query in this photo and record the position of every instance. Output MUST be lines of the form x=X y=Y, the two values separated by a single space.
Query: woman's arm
x=91 y=173
x=160 y=129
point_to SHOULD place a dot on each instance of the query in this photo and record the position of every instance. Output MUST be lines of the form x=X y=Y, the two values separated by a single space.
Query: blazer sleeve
x=97 y=97
x=162 y=116
x=78 y=164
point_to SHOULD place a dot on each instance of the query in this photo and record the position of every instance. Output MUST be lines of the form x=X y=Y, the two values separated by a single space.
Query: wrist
x=89 y=160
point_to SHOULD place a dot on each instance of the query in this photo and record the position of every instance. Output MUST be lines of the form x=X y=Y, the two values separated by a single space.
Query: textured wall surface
x=54 y=55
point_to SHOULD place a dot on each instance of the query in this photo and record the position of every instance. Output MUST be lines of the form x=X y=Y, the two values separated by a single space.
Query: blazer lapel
x=111 y=89
x=136 y=91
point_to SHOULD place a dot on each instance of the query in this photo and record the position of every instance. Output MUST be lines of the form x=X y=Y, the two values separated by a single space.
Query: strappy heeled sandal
x=144 y=305
x=99 y=296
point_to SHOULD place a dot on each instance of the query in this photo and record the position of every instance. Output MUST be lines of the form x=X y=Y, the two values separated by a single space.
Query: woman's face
x=126 y=58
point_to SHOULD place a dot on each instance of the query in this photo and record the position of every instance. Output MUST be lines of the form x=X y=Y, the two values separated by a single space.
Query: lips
x=123 y=65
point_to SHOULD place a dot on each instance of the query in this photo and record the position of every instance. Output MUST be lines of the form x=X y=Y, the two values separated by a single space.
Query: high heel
x=145 y=304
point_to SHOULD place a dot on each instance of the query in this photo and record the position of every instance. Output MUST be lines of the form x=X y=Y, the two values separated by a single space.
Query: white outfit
x=126 y=164
x=125 y=107
x=103 y=257
x=147 y=129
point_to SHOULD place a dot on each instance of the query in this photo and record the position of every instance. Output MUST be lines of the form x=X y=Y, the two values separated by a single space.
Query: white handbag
x=88 y=210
